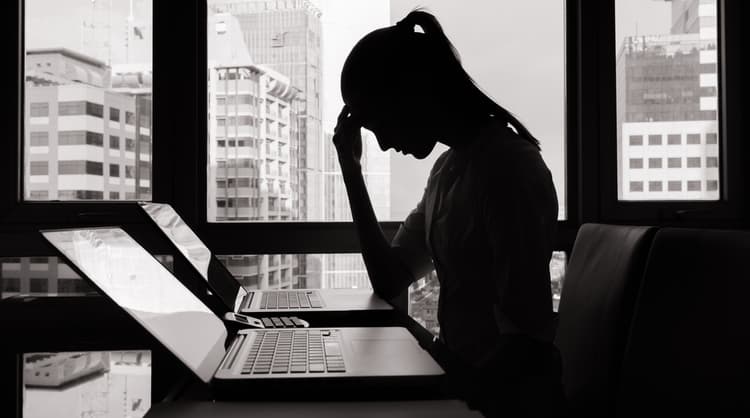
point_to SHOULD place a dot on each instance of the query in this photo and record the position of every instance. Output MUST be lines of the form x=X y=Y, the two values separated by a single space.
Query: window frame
x=733 y=156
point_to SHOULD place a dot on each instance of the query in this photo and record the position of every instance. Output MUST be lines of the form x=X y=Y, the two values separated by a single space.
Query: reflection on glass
x=47 y=276
x=87 y=90
x=138 y=283
x=87 y=384
x=181 y=235
x=667 y=100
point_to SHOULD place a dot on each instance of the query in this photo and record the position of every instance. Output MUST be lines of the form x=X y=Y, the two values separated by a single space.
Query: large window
x=278 y=64
x=667 y=99
x=86 y=63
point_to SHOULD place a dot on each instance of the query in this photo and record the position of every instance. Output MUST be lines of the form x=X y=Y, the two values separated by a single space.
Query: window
x=78 y=90
x=129 y=144
x=39 y=110
x=79 y=167
x=654 y=139
x=654 y=186
x=694 y=185
x=114 y=170
x=712 y=162
x=666 y=69
x=114 y=195
x=636 y=163
x=636 y=186
x=304 y=121
x=39 y=139
x=37 y=285
x=654 y=162
x=636 y=140
x=39 y=168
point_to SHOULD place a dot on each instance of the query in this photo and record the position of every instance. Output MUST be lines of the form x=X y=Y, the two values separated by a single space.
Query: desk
x=402 y=409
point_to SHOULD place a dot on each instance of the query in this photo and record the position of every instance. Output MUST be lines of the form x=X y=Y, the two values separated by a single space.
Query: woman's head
x=406 y=84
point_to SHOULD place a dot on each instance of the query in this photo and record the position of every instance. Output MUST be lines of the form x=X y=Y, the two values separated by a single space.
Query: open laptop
x=125 y=272
x=234 y=296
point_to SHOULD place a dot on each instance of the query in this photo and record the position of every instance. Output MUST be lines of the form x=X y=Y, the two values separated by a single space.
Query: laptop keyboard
x=295 y=351
x=291 y=300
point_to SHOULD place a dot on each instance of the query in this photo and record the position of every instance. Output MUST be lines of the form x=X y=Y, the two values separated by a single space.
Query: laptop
x=138 y=283
x=234 y=296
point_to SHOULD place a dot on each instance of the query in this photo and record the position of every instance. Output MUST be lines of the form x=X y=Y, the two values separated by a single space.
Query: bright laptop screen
x=138 y=283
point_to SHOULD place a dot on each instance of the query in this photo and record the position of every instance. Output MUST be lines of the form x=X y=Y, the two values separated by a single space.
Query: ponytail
x=431 y=29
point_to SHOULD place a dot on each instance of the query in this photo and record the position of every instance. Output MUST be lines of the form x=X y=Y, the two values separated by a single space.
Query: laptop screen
x=196 y=253
x=146 y=290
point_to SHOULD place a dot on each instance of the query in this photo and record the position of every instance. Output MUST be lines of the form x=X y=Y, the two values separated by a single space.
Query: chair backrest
x=601 y=284
x=689 y=344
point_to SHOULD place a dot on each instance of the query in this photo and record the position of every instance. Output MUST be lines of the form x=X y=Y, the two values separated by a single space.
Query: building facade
x=83 y=140
x=667 y=110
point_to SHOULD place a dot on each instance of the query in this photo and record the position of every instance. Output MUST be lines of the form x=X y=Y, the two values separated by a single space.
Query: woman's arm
x=387 y=267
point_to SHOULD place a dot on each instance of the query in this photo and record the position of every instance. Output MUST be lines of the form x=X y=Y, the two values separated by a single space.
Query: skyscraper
x=348 y=270
x=249 y=108
x=667 y=110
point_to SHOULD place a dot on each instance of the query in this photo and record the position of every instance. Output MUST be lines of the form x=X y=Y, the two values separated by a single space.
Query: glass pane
x=87 y=115
x=43 y=276
x=298 y=271
x=273 y=93
x=87 y=384
x=667 y=100
x=425 y=293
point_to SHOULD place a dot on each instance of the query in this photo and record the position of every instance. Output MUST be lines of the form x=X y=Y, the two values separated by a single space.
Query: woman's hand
x=348 y=140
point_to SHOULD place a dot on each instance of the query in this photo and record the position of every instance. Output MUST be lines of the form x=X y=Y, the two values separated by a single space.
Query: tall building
x=249 y=175
x=286 y=36
x=667 y=110
x=348 y=270
x=83 y=141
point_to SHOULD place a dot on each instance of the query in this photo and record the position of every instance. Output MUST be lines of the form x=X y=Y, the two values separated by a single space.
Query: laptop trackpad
x=388 y=357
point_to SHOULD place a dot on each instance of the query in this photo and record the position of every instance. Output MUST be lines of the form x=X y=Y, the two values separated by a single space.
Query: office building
x=249 y=174
x=348 y=270
x=667 y=110
x=83 y=141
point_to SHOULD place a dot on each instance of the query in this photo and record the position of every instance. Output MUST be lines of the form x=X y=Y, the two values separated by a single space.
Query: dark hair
x=429 y=43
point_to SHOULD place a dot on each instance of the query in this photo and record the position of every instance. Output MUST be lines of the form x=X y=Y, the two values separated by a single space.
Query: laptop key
x=277 y=322
x=317 y=368
x=267 y=322
x=287 y=322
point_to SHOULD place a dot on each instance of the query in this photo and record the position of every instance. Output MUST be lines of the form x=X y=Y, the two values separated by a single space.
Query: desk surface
x=401 y=409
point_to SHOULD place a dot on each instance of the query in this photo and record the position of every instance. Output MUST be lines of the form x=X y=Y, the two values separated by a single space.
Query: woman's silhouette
x=485 y=222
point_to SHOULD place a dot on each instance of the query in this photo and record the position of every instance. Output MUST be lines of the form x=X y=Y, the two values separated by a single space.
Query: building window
x=129 y=144
x=636 y=140
x=38 y=285
x=39 y=110
x=712 y=138
x=39 y=139
x=654 y=139
x=636 y=186
x=712 y=162
x=114 y=114
x=674 y=139
x=694 y=185
x=129 y=118
x=636 y=163
x=654 y=163
x=674 y=186
x=654 y=186
x=114 y=170
x=38 y=194
x=39 y=168
x=114 y=195
x=674 y=162
x=11 y=284
x=693 y=162
x=693 y=139
x=80 y=138
x=114 y=142
x=80 y=167
x=129 y=171
x=712 y=185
